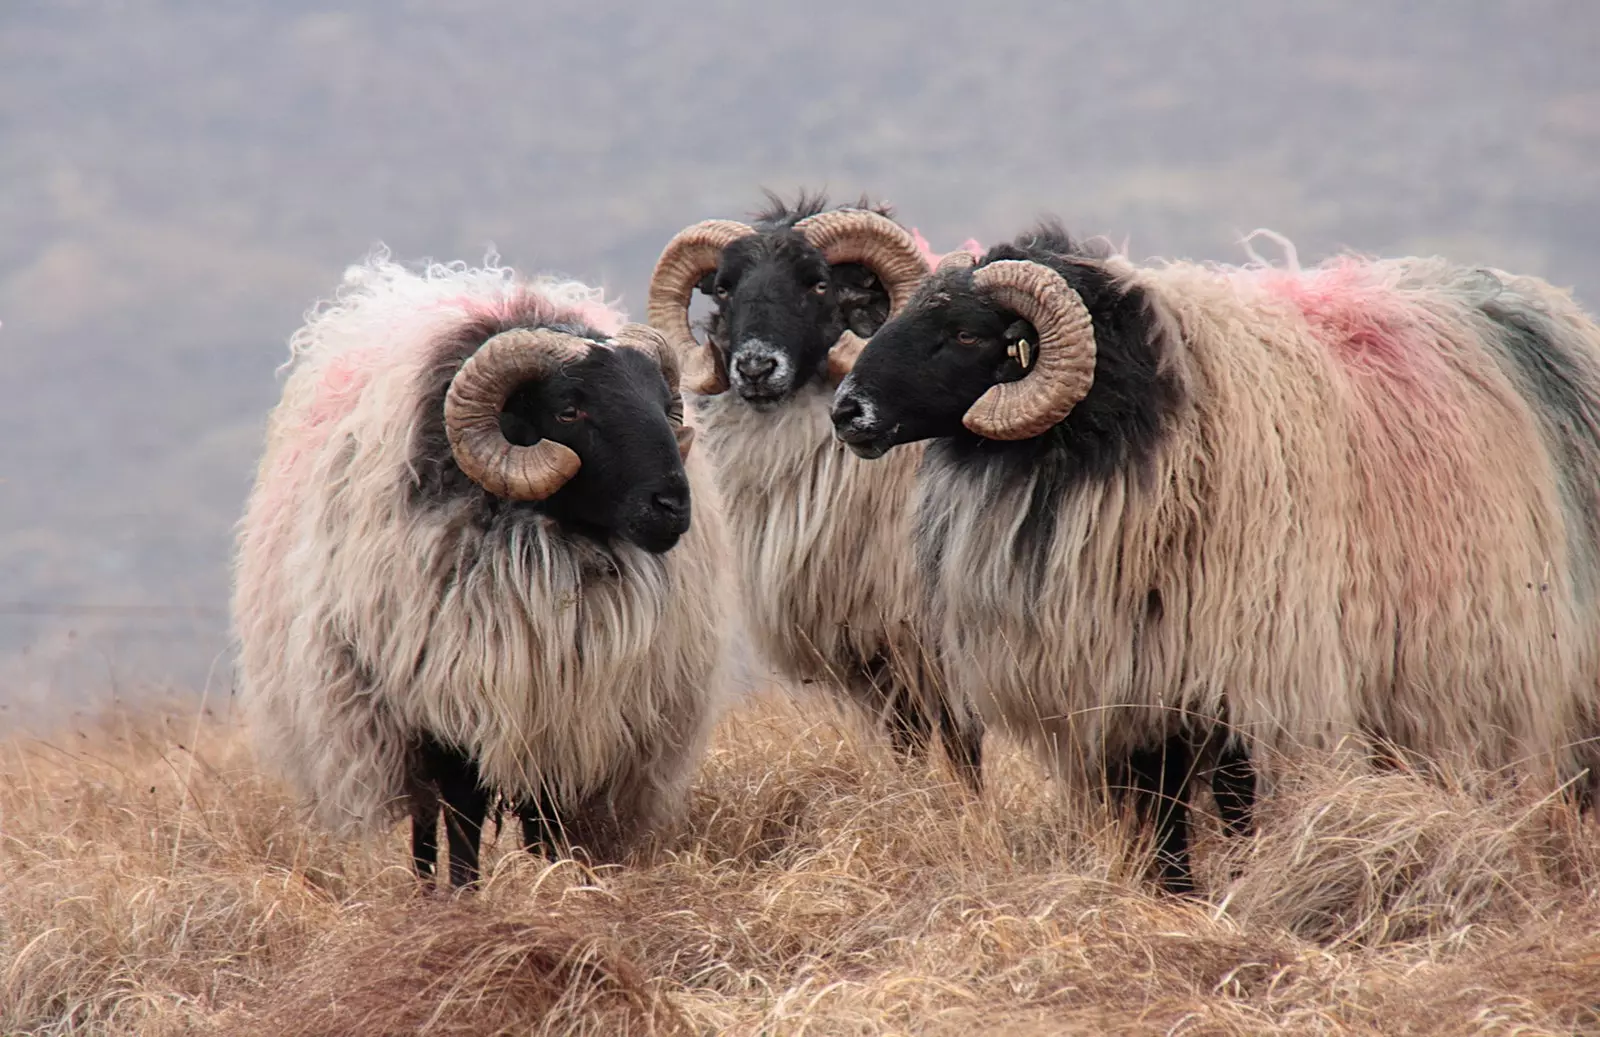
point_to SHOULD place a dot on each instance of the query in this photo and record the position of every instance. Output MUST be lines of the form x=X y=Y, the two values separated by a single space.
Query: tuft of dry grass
x=465 y=969
x=152 y=881
x=1372 y=859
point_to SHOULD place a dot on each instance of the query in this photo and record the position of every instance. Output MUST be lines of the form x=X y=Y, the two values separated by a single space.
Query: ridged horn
x=690 y=255
x=478 y=394
x=648 y=340
x=879 y=244
x=1064 y=369
x=960 y=259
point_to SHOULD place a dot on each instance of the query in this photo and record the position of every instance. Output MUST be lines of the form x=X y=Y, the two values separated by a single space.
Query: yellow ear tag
x=1021 y=352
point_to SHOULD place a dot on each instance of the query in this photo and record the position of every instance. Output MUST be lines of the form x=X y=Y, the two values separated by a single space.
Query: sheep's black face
x=924 y=369
x=779 y=309
x=611 y=409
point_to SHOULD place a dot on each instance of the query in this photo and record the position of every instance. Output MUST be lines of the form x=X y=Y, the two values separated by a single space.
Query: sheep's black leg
x=963 y=744
x=1582 y=792
x=1160 y=785
x=425 y=831
x=1233 y=786
x=910 y=730
x=542 y=831
x=466 y=803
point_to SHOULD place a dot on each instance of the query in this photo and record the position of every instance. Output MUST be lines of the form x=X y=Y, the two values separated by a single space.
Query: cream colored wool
x=1325 y=548
x=823 y=544
x=366 y=617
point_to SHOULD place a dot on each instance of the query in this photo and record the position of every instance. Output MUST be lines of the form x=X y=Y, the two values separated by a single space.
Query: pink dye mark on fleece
x=334 y=395
x=341 y=386
x=932 y=258
x=1414 y=441
x=527 y=305
x=1364 y=324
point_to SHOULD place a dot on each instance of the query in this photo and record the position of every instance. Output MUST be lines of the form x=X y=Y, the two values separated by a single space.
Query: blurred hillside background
x=180 y=180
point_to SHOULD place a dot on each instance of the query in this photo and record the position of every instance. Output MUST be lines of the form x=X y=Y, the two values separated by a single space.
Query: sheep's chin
x=870 y=450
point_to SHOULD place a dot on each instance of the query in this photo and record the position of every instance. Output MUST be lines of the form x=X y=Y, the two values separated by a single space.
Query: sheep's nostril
x=846 y=411
x=756 y=367
x=671 y=503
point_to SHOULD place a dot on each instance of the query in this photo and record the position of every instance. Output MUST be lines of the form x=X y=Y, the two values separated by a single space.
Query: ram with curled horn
x=1196 y=515
x=821 y=541
x=481 y=558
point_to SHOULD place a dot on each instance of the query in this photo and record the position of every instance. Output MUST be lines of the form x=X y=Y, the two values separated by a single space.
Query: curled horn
x=1064 y=369
x=879 y=244
x=689 y=256
x=648 y=340
x=472 y=408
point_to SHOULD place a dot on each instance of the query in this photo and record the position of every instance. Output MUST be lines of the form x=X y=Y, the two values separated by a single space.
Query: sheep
x=1169 y=507
x=821 y=540
x=467 y=566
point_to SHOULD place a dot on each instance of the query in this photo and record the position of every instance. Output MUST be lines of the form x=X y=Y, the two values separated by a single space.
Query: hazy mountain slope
x=180 y=180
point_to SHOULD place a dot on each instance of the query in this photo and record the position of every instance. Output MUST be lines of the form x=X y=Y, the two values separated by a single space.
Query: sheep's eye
x=569 y=415
x=821 y=288
x=722 y=291
x=966 y=338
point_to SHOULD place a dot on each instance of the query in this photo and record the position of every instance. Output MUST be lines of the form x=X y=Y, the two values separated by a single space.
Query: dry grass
x=153 y=882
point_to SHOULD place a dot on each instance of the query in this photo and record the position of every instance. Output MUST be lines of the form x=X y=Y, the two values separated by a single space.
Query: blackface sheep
x=467 y=566
x=1359 y=502
x=822 y=540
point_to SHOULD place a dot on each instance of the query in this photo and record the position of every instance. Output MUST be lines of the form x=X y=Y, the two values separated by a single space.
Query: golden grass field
x=152 y=881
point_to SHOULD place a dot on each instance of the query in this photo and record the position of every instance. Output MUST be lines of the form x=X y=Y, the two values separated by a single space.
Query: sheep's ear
x=707 y=283
x=854 y=276
x=1018 y=330
x=850 y=295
